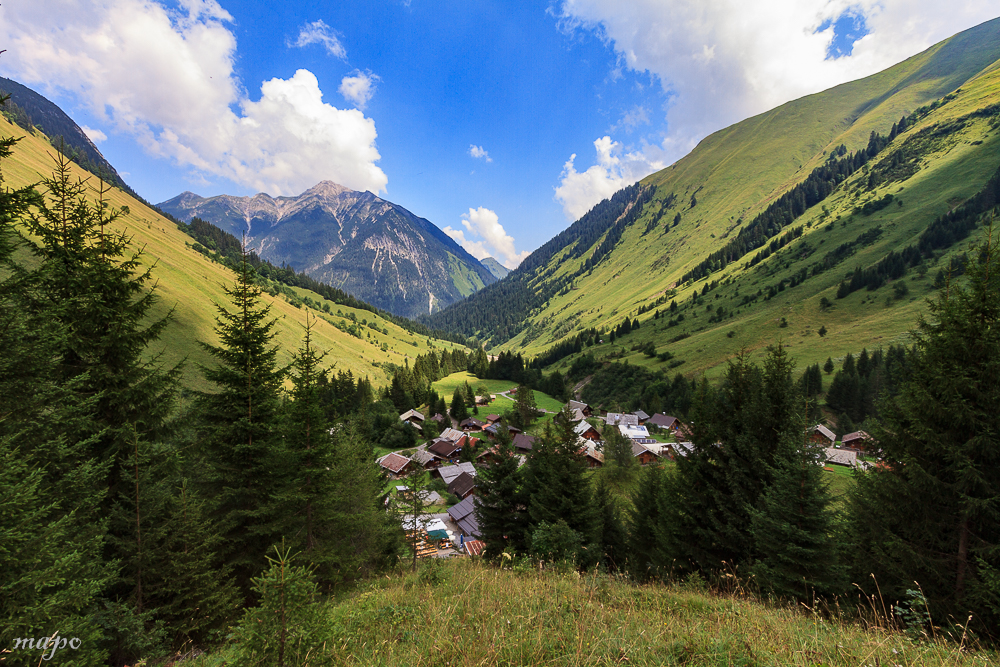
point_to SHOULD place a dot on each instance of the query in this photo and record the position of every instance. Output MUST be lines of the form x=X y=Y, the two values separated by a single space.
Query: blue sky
x=500 y=122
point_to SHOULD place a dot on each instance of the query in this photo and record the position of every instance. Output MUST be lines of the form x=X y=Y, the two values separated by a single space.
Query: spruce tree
x=556 y=484
x=459 y=409
x=612 y=538
x=931 y=512
x=792 y=527
x=501 y=508
x=645 y=523
x=241 y=446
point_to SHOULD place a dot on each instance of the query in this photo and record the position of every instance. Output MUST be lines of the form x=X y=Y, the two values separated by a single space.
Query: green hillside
x=462 y=612
x=192 y=284
x=628 y=258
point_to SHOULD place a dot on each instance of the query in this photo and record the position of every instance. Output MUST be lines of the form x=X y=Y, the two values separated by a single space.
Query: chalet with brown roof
x=412 y=416
x=452 y=434
x=524 y=442
x=449 y=473
x=444 y=448
x=643 y=455
x=425 y=459
x=584 y=409
x=493 y=430
x=593 y=456
x=463 y=486
x=642 y=416
x=859 y=441
x=821 y=435
x=665 y=422
x=842 y=457
x=395 y=464
x=587 y=431
x=492 y=419
x=471 y=424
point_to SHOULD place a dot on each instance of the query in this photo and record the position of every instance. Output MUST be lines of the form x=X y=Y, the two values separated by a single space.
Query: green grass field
x=468 y=613
x=446 y=387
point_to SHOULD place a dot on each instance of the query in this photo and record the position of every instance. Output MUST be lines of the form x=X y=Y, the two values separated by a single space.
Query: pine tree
x=645 y=520
x=556 y=485
x=242 y=452
x=612 y=537
x=459 y=409
x=501 y=508
x=931 y=513
x=792 y=527
x=96 y=287
x=619 y=461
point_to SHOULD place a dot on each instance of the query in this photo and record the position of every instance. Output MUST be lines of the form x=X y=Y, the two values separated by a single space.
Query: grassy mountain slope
x=705 y=199
x=191 y=284
x=462 y=612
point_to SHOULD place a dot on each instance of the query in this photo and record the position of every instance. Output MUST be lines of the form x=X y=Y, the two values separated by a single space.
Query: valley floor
x=464 y=612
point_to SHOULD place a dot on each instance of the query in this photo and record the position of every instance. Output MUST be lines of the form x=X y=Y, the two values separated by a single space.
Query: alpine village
x=744 y=411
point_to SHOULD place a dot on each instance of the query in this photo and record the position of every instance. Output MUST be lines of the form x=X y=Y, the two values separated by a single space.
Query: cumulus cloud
x=484 y=237
x=578 y=192
x=479 y=152
x=167 y=78
x=319 y=32
x=94 y=135
x=358 y=87
x=720 y=61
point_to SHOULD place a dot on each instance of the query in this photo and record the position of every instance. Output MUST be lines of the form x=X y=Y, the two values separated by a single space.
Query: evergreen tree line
x=919 y=533
x=228 y=250
x=129 y=521
x=944 y=232
x=782 y=212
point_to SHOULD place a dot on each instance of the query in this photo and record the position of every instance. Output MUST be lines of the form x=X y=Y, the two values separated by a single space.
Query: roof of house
x=616 y=418
x=641 y=415
x=443 y=447
x=646 y=441
x=583 y=427
x=411 y=414
x=633 y=431
x=492 y=418
x=465 y=516
x=577 y=405
x=524 y=441
x=857 y=435
x=462 y=484
x=475 y=547
x=422 y=456
x=452 y=434
x=393 y=462
x=844 y=457
x=588 y=448
x=826 y=433
x=438 y=417
x=429 y=497
x=471 y=421
x=449 y=473
x=682 y=448
x=639 y=450
x=662 y=420
x=576 y=415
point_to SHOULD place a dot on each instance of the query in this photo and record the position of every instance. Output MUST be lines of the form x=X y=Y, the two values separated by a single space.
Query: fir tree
x=459 y=408
x=612 y=539
x=501 y=508
x=242 y=454
x=645 y=522
x=931 y=513
x=792 y=527
x=556 y=485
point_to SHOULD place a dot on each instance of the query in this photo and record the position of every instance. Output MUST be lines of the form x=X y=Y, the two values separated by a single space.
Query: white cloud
x=319 y=32
x=358 y=87
x=166 y=77
x=94 y=135
x=578 y=192
x=721 y=61
x=632 y=119
x=486 y=237
x=479 y=152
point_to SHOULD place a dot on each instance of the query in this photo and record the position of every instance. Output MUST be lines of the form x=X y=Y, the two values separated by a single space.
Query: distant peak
x=328 y=188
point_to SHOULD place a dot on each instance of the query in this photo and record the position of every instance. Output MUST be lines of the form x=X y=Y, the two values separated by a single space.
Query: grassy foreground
x=469 y=613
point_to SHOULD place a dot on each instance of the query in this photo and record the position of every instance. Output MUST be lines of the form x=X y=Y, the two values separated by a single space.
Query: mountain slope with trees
x=800 y=196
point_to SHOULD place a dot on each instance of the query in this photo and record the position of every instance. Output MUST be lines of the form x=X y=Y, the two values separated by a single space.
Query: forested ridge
x=499 y=311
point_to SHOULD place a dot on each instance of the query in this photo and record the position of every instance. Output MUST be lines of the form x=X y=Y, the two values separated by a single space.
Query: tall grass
x=465 y=613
